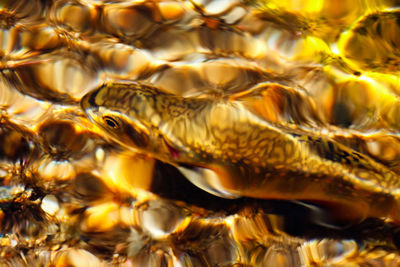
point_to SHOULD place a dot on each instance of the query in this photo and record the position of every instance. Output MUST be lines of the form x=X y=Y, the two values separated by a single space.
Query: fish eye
x=111 y=122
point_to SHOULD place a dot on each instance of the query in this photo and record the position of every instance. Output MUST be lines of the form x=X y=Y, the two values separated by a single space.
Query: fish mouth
x=89 y=100
x=91 y=114
x=89 y=106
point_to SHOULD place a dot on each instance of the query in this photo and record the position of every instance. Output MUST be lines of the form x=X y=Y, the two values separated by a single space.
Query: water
x=71 y=196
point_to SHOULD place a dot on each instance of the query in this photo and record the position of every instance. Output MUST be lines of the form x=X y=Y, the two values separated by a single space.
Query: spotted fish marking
x=246 y=155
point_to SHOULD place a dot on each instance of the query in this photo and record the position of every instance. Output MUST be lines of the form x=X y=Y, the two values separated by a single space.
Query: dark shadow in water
x=299 y=219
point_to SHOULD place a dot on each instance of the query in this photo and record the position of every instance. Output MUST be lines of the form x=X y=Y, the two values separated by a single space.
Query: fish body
x=244 y=154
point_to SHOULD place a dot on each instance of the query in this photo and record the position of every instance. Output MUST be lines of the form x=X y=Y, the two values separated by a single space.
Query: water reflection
x=70 y=195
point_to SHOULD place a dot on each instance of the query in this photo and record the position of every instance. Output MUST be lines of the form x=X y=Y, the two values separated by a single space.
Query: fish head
x=109 y=108
x=125 y=112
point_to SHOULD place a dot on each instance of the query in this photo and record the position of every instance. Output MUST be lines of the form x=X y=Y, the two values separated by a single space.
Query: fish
x=229 y=151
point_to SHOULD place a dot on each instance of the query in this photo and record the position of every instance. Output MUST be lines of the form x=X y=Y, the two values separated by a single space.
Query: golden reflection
x=199 y=133
x=127 y=172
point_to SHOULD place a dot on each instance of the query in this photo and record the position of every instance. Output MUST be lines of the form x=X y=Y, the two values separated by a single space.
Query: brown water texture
x=71 y=196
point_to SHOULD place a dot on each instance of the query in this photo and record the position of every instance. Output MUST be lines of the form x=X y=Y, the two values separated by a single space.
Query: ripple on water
x=70 y=196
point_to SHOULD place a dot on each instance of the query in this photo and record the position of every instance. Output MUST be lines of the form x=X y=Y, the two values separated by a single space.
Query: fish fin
x=207 y=180
x=250 y=93
x=334 y=216
x=318 y=215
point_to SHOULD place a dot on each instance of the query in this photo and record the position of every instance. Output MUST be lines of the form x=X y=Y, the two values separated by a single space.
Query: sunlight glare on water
x=322 y=189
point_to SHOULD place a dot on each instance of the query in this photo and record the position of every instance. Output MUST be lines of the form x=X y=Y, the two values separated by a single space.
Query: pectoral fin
x=207 y=180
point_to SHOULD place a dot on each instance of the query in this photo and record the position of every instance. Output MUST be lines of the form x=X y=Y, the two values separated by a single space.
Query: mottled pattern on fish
x=251 y=156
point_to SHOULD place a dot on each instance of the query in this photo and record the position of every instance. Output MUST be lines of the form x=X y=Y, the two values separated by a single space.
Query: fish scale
x=323 y=161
